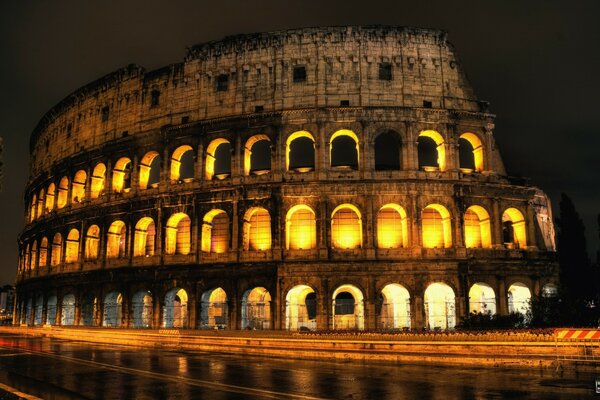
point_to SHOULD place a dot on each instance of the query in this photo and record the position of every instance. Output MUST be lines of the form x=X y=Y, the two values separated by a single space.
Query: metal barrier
x=577 y=345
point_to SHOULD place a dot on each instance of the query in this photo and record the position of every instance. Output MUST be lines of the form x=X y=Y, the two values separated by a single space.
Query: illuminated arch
x=440 y=306
x=300 y=228
x=33 y=256
x=50 y=193
x=440 y=149
x=346 y=227
x=113 y=310
x=92 y=243
x=56 y=256
x=175 y=314
x=214 y=309
x=40 y=203
x=38 y=310
x=97 y=180
x=392 y=227
x=476 y=152
x=121 y=175
x=43 y=259
x=478 y=233
x=67 y=310
x=148 y=170
x=142 y=309
x=395 y=307
x=72 y=246
x=177 y=159
x=63 y=191
x=256 y=309
x=257 y=229
x=116 y=240
x=300 y=308
x=343 y=133
x=211 y=158
x=32 y=208
x=51 y=305
x=482 y=299
x=248 y=161
x=519 y=298
x=514 y=228
x=78 y=187
x=437 y=230
x=178 y=234
x=292 y=154
x=144 y=238
x=26 y=254
x=348 y=308
x=215 y=232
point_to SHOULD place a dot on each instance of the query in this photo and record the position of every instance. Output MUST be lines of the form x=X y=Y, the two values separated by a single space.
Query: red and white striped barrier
x=578 y=334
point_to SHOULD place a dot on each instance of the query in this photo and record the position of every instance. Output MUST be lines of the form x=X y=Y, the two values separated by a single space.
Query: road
x=56 y=369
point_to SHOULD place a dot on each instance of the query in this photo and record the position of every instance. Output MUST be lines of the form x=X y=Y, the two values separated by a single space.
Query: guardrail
x=577 y=345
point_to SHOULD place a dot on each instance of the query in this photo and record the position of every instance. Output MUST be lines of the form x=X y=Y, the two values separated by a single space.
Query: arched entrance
x=51 y=311
x=482 y=299
x=348 y=308
x=256 y=309
x=213 y=314
x=301 y=308
x=89 y=308
x=67 y=310
x=39 y=308
x=113 y=309
x=395 y=307
x=440 y=306
x=142 y=309
x=519 y=298
x=175 y=309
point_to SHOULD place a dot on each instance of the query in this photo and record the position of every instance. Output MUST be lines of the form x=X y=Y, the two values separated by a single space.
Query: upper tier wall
x=341 y=63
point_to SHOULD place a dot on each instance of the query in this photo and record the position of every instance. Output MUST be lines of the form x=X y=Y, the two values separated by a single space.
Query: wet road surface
x=56 y=369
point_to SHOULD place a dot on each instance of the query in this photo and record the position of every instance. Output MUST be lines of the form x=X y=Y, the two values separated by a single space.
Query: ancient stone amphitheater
x=318 y=178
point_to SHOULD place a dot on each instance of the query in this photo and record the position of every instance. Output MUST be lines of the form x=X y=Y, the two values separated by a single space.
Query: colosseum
x=309 y=179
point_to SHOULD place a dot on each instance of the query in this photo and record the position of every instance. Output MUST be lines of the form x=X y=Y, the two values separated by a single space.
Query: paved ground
x=51 y=368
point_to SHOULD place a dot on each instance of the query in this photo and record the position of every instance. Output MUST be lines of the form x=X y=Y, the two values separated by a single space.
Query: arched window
x=50 y=197
x=432 y=150
x=215 y=232
x=43 y=261
x=440 y=306
x=392 y=227
x=256 y=309
x=514 y=229
x=33 y=256
x=116 y=240
x=257 y=229
x=72 y=247
x=178 y=234
x=519 y=298
x=32 y=208
x=344 y=150
x=388 y=146
x=395 y=307
x=63 y=190
x=257 y=155
x=346 y=227
x=175 y=311
x=51 y=310
x=477 y=228
x=348 y=308
x=97 y=180
x=67 y=310
x=218 y=159
x=214 y=309
x=142 y=309
x=437 y=231
x=78 y=189
x=470 y=152
x=149 y=170
x=300 y=308
x=301 y=228
x=482 y=299
x=56 y=256
x=113 y=310
x=121 y=181
x=92 y=243
x=143 y=241
x=40 y=203
x=300 y=152
x=182 y=164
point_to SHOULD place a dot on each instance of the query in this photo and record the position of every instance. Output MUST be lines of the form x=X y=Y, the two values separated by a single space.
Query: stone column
x=501 y=298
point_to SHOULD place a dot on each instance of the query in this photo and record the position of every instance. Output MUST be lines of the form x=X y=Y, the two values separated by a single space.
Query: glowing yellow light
x=474 y=140
x=296 y=312
x=143 y=241
x=345 y=132
x=436 y=227
x=72 y=246
x=92 y=242
x=78 y=189
x=482 y=299
x=301 y=231
x=115 y=243
x=56 y=256
x=353 y=320
x=477 y=228
x=395 y=310
x=176 y=161
x=519 y=297
x=43 y=261
x=440 y=305
x=515 y=217
x=178 y=229
x=63 y=189
x=50 y=197
x=145 y=168
x=288 y=144
x=215 y=232
x=257 y=229
x=209 y=167
x=441 y=147
x=97 y=180
x=392 y=230
x=248 y=151
x=40 y=204
x=120 y=174
x=346 y=227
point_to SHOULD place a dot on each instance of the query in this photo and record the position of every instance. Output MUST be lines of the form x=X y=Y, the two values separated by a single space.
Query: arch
x=97 y=180
x=256 y=309
x=344 y=149
x=50 y=193
x=115 y=240
x=214 y=309
x=300 y=308
x=257 y=229
x=78 y=187
x=182 y=163
x=144 y=238
x=149 y=170
x=178 y=234
x=121 y=181
x=43 y=258
x=33 y=256
x=482 y=299
x=67 y=310
x=549 y=290
x=63 y=190
x=346 y=227
x=26 y=254
x=175 y=309
x=470 y=152
x=56 y=256
x=215 y=232
x=92 y=242
x=388 y=147
x=300 y=152
x=440 y=306
x=40 y=203
x=392 y=227
x=218 y=159
x=348 y=308
x=113 y=310
x=72 y=246
x=519 y=299
x=257 y=160
x=514 y=229
x=89 y=308
x=51 y=305
x=395 y=307
x=142 y=309
x=478 y=233
x=432 y=150
x=32 y=208
x=300 y=228
x=38 y=310
x=437 y=230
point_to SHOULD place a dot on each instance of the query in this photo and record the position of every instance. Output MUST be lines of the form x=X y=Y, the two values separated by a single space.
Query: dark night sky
x=536 y=61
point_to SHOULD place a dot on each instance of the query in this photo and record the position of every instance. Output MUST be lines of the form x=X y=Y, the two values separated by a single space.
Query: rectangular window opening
x=345 y=103
x=104 y=113
x=385 y=72
x=222 y=82
x=299 y=73
x=427 y=104
x=154 y=98
x=259 y=109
